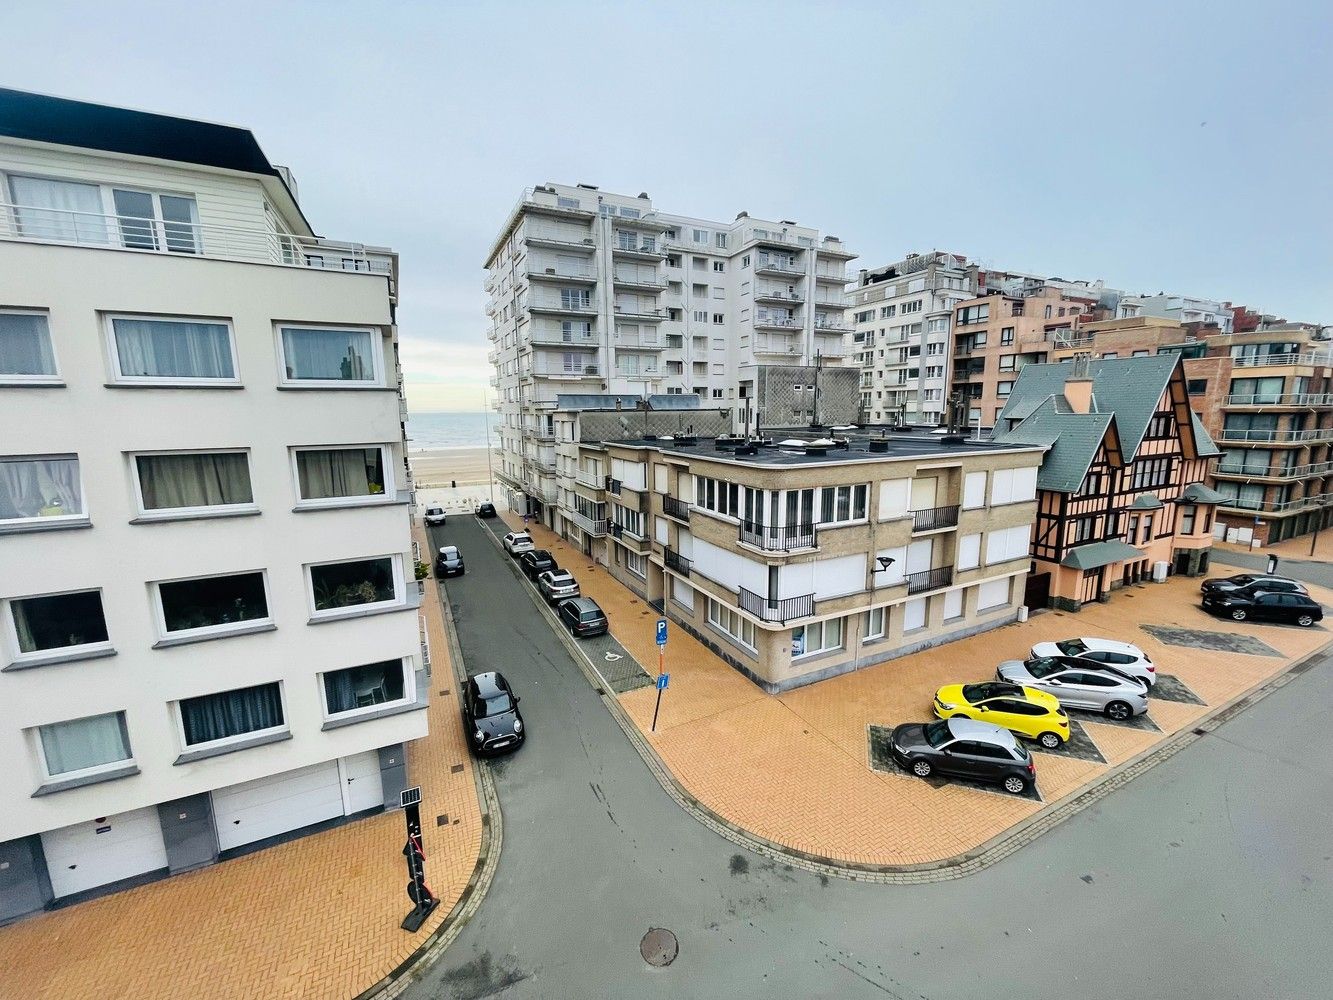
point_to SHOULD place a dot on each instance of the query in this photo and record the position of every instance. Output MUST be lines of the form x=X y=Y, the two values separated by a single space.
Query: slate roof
x=1095 y=555
x=1071 y=438
x=1147 y=501
x=1199 y=493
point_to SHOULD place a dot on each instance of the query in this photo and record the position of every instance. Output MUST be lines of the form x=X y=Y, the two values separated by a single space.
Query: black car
x=582 y=617
x=490 y=714
x=449 y=561
x=1263 y=606
x=486 y=510
x=1252 y=582
x=536 y=561
x=964 y=748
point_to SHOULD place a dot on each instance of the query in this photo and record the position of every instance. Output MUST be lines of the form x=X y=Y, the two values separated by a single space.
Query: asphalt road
x=1208 y=876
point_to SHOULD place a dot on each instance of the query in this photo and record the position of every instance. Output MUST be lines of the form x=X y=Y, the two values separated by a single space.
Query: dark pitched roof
x=1094 y=555
x=1071 y=438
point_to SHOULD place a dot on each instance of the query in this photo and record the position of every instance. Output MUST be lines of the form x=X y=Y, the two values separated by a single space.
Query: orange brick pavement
x=317 y=917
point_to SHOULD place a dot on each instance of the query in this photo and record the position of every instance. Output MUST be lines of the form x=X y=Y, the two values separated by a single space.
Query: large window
x=151 y=350
x=26 y=354
x=58 y=622
x=1149 y=472
x=838 y=504
x=817 y=637
x=724 y=619
x=212 y=603
x=366 y=686
x=84 y=746
x=40 y=489
x=60 y=211
x=230 y=714
x=330 y=474
x=150 y=221
x=332 y=355
x=187 y=483
x=339 y=585
x=876 y=620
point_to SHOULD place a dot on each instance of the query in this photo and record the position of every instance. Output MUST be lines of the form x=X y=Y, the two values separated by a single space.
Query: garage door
x=278 y=804
x=91 y=854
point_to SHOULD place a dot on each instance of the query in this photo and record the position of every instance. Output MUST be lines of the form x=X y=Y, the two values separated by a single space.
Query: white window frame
x=871 y=633
x=18 y=656
x=823 y=634
x=409 y=692
x=144 y=513
x=113 y=355
x=210 y=631
x=641 y=571
x=376 y=357
x=35 y=735
x=53 y=379
x=54 y=518
x=386 y=463
x=355 y=610
x=226 y=741
x=717 y=622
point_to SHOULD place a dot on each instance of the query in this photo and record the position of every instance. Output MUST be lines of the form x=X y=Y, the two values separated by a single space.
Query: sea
x=461 y=429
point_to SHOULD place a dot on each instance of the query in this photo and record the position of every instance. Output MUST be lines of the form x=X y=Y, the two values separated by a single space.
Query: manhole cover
x=659 y=947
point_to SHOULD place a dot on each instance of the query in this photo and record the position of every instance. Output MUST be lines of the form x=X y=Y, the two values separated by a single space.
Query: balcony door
x=149 y=221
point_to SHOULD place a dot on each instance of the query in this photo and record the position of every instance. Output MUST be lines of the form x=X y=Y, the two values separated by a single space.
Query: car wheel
x=1305 y=621
x=921 y=768
x=1238 y=615
x=1051 y=741
x=1119 y=711
x=1015 y=785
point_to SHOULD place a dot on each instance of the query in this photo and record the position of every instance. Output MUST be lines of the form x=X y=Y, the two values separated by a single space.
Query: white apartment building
x=598 y=293
x=1182 y=308
x=208 y=633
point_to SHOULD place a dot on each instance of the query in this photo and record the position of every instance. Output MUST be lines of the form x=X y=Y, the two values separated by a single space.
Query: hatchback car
x=1077 y=684
x=1124 y=657
x=490 y=714
x=557 y=585
x=486 y=510
x=536 y=561
x=582 y=617
x=1252 y=582
x=966 y=749
x=1238 y=605
x=434 y=516
x=449 y=561
x=518 y=542
x=1025 y=711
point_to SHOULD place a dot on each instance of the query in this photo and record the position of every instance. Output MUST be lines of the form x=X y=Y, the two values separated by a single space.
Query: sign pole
x=663 y=678
x=424 y=901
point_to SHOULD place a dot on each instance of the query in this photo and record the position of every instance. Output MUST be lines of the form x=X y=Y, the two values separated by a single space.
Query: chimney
x=1078 y=386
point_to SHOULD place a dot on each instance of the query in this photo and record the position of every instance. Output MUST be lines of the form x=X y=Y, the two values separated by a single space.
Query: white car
x=1119 y=656
x=518 y=542
x=434 y=516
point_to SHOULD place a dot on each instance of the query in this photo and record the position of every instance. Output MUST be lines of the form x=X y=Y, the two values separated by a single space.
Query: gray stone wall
x=782 y=404
x=619 y=425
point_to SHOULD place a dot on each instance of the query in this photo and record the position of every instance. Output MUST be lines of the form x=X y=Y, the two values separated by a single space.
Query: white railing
x=592 y=480
x=628 y=310
x=425 y=641
x=553 y=234
x=1282 y=399
x=540 y=336
x=1276 y=506
x=777 y=265
x=643 y=281
x=781 y=294
x=1275 y=471
x=1257 y=434
x=567 y=371
x=639 y=246
x=783 y=322
x=574 y=305
x=560 y=271
x=589 y=525
x=832 y=350
x=842 y=277
x=831 y=326
x=765 y=345
x=1281 y=360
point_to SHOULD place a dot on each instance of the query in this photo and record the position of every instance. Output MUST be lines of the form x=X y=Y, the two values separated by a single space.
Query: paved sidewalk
x=1293 y=549
x=315 y=917
x=794 y=768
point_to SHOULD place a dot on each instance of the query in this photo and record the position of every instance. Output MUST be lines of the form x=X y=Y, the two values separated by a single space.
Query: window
x=993 y=594
x=876 y=618
x=745 y=261
x=1147 y=529
x=718 y=319
x=26 y=354
x=334 y=586
x=914 y=615
x=717 y=393
x=61 y=211
x=562 y=202
x=700 y=235
x=1198 y=386
x=1005 y=544
x=150 y=350
x=40 y=489
x=817 y=637
x=1006 y=336
x=636 y=564
x=148 y=221
x=1007 y=362
x=911 y=307
x=335 y=474
x=72 y=621
x=1150 y=472
x=972 y=314
x=329 y=355
x=719 y=266
x=1163 y=425
x=366 y=686
x=732 y=623
x=184 y=483
x=1188 y=515
x=1048 y=312
x=720 y=241
x=84 y=746
x=1085 y=529
x=229 y=714
x=1003 y=389
x=212 y=603
x=934 y=371
x=838 y=504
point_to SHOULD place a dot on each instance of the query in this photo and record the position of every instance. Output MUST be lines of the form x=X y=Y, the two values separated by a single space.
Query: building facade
x=208 y=633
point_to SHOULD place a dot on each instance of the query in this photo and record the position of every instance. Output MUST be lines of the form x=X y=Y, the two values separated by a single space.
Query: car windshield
x=1242 y=579
x=980 y=692
x=496 y=704
x=1071 y=647
x=1043 y=666
x=937 y=733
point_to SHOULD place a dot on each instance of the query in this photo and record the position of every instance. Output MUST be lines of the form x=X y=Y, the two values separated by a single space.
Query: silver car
x=1077 y=684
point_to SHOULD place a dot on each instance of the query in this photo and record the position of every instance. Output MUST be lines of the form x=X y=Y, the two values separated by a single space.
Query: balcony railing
x=1282 y=399
x=639 y=312
x=676 y=562
x=782 y=538
x=1275 y=471
x=777 y=267
x=558 y=237
x=773 y=609
x=562 y=271
x=773 y=345
x=1275 y=506
x=777 y=295
x=564 y=371
x=931 y=579
x=935 y=517
x=576 y=305
x=560 y=338
x=592 y=480
x=841 y=277
x=672 y=507
x=639 y=281
x=778 y=323
x=596 y=527
x=1281 y=360
x=1261 y=434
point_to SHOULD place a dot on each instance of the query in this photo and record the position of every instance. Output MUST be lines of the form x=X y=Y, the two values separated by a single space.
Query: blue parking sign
x=661 y=631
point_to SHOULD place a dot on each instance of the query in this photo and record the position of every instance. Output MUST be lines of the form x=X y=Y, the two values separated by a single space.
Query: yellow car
x=1023 y=710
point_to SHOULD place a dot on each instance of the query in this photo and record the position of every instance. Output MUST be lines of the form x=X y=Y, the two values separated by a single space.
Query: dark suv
x=582 y=617
x=965 y=749
x=490 y=714
x=1262 y=606
x=536 y=561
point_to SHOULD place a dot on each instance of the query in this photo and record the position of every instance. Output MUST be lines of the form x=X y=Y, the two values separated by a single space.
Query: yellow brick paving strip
x=793 y=768
x=317 y=917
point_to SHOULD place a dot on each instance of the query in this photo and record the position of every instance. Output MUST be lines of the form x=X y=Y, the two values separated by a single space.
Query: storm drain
x=659 y=947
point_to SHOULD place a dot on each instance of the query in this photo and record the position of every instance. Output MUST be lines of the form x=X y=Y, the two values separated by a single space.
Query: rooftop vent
x=816 y=451
x=747 y=449
x=643 y=195
x=587 y=187
x=788 y=222
x=878 y=446
x=742 y=215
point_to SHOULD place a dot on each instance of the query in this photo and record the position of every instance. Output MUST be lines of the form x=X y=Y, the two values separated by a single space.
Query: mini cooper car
x=449 y=561
x=490 y=714
x=1025 y=711
x=965 y=749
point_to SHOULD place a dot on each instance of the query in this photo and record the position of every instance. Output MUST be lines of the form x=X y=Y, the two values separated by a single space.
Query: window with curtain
x=58 y=621
x=348 y=584
x=34 y=488
x=364 y=686
x=172 y=349
x=231 y=713
x=61 y=211
x=25 y=346
x=212 y=479
x=338 y=473
x=328 y=355
x=84 y=744
x=213 y=601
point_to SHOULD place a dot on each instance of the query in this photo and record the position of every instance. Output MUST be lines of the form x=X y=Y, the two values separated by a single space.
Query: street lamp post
x=1320 y=506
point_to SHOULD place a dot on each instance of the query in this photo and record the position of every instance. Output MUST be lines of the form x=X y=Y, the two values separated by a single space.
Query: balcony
x=642 y=341
x=836 y=349
x=613 y=486
x=836 y=277
x=560 y=239
x=776 y=609
x=641 y=250
x=776 y=345
x=593 y=527
x=931 y=579
x=540 y=491
x=1275 y=471
x=778 y=295
x=935 y=518
x=559 y=338
x=563 y=371
x=1282 y=507
x=778 y=539
x=640 y=313
x=1281 y=360
x=673 y=507
x=778 y=323
x=573 y=306
x=580 y=275
x=1282 y=399
x=1258 y=435
x=539 y=433
x=676 y=562
x=649 y=284
x=778 y=267
x=592 y=480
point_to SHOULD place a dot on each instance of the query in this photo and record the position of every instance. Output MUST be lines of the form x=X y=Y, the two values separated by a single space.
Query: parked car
x=1238 y=605
x=434 y=516
x=582 y=617
x=490 y=714
x=486 y=510
x=536 y=561
x=1077 y=684
x=449 y=561
x=557 y=585
x=1124 y=657
x=1025 y=711
x=518 y=542
x=966 y=749
x=1253 y=582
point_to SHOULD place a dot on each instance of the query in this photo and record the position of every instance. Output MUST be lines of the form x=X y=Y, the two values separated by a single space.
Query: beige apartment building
x=797 y=559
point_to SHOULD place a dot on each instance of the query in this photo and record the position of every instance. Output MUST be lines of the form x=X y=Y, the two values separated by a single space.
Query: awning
x=1199 y=493
x=1097 y=554
x=1147 y=501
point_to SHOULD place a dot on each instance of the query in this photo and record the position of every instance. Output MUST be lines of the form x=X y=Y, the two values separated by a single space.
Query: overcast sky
x=1178 y=146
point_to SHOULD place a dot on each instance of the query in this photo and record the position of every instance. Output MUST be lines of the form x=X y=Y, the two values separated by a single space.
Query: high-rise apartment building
x=208 y=633
x=597 y=293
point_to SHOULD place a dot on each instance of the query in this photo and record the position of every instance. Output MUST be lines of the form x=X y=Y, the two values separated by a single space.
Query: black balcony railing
x=931 y=579
x=676 y=562
x=778 y=539
x=672 y=507
x=772 y=609
x=935 y=517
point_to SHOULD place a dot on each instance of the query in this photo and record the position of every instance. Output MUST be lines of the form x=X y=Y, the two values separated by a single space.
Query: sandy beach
x=446 y=466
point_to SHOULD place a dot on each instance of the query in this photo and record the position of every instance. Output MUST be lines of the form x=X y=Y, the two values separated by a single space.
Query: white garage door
x=90 y=854
x=362 y=782
x=278 y=804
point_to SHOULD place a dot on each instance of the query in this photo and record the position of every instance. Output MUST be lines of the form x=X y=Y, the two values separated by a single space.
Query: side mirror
x=517 y=699
x=984 y=708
